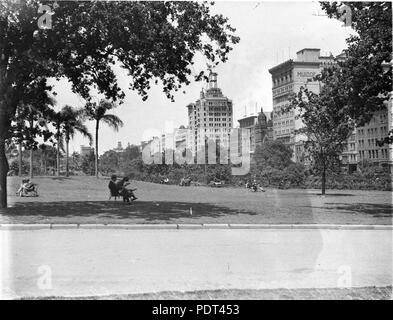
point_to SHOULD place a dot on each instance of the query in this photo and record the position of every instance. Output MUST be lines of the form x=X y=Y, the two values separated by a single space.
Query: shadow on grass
x=376 y=210
x=333 y=194
x=147 y=210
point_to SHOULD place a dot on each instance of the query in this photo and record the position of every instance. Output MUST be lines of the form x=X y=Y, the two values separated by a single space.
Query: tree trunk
x=4 y=126
x=323 y=179
x=67 y=163
x=20 y=160
x=96 y=151
x=3 y=173
x=31 y=164
x=45 y=166
x=41 y=165
x=58 y=157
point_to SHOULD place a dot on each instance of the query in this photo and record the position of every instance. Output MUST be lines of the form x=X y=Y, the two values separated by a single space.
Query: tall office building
x=209 y=118
x=287 y=78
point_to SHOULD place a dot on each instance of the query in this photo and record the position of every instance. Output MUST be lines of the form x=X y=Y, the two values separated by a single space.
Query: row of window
x=211 y=114
x=213 y=119
x=224 y=107
x=214 y=124
x=283 y=123
x=283 y=131
x=373 y=131
x=282 y=78
x=279 y=113
x=374 y=154
x=283 y=89
x=217 y=104
x=221 y=130
x=370 y=142
x=280 y=99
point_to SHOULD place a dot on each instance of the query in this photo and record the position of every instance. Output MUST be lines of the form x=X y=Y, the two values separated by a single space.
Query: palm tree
x=33 y=117
x=97 y=112
x=57 y=121
x=72 y=123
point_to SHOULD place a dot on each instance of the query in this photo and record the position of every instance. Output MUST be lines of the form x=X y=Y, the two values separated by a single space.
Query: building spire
x=212 y=80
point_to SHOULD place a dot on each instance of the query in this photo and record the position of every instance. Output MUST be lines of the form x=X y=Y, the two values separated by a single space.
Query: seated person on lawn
x=113 y=189
x=125 y=192
x=27 y=188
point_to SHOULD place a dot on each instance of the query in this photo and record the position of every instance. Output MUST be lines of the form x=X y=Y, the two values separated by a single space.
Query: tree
x=130 y=153
x=35 y=127
x=76 y=161
x=154 y=41
x=110 y=162
x=326 y=125
x=28 y=124
x=15 y=167
x=87 y=164
x=365 y=75
x=72 y=123
x=274 y=154
x=97 y=112
x=57 y=122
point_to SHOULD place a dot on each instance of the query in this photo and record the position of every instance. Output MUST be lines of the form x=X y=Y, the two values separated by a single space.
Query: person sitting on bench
x=113 y=189
x=124 y=191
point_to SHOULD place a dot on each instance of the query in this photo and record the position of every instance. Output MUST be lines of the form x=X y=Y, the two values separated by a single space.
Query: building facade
x=287 y=78
x=119 y=147
x=86 y=151
x=209 y=118
x=367 y=137
x=361 y=146
x=260 y=128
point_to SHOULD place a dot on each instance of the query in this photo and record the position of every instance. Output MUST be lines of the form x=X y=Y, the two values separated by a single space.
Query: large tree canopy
x=154 y=41
x=366 y=73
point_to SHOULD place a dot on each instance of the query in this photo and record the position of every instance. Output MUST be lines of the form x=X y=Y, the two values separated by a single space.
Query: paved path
x=87 y=262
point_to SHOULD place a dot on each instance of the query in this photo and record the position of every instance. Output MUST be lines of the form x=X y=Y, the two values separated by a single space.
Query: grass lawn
x=85 y=200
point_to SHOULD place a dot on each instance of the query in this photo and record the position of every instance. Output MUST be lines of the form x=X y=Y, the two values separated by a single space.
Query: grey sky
x=270 y=33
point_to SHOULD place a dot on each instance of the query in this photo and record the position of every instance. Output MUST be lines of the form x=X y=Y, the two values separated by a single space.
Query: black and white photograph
x=196 y=151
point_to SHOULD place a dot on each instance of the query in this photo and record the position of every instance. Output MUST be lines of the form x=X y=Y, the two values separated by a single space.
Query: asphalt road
x=36 y=263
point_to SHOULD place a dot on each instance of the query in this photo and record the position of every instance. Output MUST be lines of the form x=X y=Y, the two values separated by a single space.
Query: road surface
x=79 y=262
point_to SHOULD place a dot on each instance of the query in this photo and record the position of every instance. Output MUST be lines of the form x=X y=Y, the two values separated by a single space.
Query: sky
x=270 y=33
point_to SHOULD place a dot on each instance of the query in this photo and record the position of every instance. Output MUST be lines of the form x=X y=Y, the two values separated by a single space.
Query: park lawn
x=85 y=200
